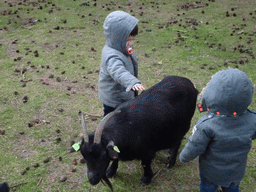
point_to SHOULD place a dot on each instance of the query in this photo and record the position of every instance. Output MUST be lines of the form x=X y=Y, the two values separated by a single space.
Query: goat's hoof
x=169 y=165
x=145 y=181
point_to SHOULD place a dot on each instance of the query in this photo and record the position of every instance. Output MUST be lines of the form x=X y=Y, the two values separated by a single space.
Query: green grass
x=196 y=51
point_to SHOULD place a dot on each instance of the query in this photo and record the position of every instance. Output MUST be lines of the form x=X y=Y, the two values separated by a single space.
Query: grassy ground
x=49 y=61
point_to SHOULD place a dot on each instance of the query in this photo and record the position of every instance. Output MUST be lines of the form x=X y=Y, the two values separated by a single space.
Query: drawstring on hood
x=229 y=92
x=117 y=27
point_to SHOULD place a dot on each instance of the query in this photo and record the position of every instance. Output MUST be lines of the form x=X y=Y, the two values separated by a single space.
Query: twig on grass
x=86 y=113
x=18 y=184
x=39 y=181
x=71 y=181
x=157 y=173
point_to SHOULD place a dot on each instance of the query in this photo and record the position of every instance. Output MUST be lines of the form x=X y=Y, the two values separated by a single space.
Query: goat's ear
x=82 y=141
x=112 y=153
x=112 y=150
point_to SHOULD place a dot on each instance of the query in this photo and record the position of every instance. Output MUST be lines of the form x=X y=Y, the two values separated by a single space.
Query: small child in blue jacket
x=223 y=137
x=119 y=65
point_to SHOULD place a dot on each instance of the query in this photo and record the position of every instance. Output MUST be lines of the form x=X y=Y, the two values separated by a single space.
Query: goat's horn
x=98 y=132
x=86 y=136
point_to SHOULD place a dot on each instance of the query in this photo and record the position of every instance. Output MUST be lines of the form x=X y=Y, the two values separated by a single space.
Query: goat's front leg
x=173 y=152
x=111 y=171
x=148 y=174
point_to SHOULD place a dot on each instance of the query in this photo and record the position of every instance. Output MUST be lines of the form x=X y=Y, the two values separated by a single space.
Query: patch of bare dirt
x=51 y=46
x=70 y=86
x=193 y=5
x=12 y=49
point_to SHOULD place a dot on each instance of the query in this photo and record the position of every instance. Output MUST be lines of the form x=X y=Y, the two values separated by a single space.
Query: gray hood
x=227 y=92
x=117 y=27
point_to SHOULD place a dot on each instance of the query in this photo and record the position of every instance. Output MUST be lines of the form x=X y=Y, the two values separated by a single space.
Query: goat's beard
x=105 y=180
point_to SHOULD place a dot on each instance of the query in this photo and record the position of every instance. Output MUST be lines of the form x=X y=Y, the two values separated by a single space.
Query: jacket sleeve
x=120 y=74
x=197 y=144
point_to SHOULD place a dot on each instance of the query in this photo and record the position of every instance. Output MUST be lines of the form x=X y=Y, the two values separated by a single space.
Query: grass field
x=50 y=52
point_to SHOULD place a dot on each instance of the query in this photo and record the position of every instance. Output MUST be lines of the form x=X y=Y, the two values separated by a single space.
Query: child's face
x=129 y=42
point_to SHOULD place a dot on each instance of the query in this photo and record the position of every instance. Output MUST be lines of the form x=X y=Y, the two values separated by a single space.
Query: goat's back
x=173 y=92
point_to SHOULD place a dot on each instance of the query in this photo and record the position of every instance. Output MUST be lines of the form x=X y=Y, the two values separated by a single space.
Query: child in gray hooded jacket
x=223 y=137
x=119 y=65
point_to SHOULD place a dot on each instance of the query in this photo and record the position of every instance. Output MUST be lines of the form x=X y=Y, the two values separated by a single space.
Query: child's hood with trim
x=229 y=92
x=117 y=27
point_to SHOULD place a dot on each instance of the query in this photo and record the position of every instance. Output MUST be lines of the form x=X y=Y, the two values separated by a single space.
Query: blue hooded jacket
x=222 y=138
x=119 y=70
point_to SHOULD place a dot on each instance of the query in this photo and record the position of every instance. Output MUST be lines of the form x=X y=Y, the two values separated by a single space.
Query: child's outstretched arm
x=120 y=74
x=197 y=144
x=138 y=87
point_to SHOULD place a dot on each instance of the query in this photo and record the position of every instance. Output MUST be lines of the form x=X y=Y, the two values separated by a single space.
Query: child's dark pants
x=107 y=109
x=207 y=186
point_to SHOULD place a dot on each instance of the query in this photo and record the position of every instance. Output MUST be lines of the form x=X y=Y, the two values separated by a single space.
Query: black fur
x=4 y=187
x=155 y=120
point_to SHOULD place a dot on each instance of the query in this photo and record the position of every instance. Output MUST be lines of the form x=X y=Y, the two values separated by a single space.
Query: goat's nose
x=93 y=179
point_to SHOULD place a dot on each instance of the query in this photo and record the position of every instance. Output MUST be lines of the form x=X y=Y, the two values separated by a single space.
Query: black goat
x=155 y=120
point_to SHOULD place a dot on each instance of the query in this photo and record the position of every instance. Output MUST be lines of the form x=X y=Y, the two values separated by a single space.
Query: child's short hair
x=134 y=31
